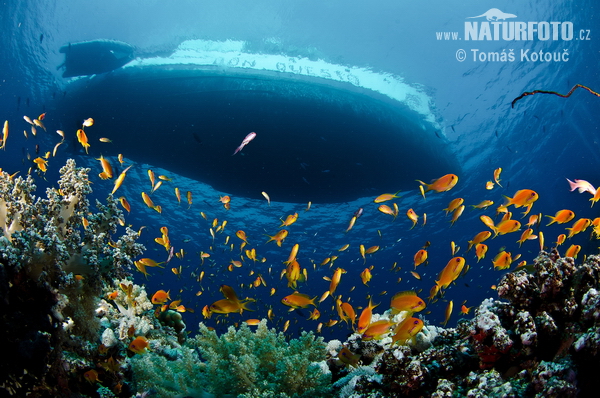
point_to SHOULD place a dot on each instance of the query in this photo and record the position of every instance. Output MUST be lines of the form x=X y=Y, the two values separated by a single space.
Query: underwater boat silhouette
x=322 y=136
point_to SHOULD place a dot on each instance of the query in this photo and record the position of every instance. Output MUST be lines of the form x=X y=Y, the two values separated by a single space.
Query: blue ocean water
x=539 y=143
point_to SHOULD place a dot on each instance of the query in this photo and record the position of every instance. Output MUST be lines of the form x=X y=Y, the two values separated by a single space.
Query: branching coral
x=251 y=364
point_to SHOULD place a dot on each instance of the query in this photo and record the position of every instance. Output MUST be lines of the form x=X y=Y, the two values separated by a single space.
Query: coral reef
x=542 y=341
x=252 y=364
x=56 y=256
x=239 y=363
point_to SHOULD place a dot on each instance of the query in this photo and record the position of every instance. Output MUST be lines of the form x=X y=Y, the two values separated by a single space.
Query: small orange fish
x=407 y=330
x=448 y=313
x=480 y=237
x=407 y=301
x=502 y=260
x=242 y=235
x=561 y=217
x=366 y=275
x=524 y=197
x=560 y=239
x=335 y=280
x=507 y=226
x=450 y=272
x=351 y=224
x=483 y=204
x=465 y=310
x=279 y=237
x=385 y=197
x=497 y=175
x=120 y=179
x=488 y=222
x=489 y=185
x=412 y=216
x=385 y=209
x=365 y=317
x=88 y=122
x=579 y=226
x=91 y=376
x=420 y=257
x=289 y=220
x=572 y=251
x=83 y=140
x=107 y=170
x=457 y=213
x=442 y=184
x=526 y=235
x=160 y=297
x=41 y=164
x=377 y=329
x=139 y=345
x=298 y=300
x=453 y=205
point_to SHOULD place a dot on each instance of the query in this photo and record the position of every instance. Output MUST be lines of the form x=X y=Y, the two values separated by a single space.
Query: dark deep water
x=326 y=141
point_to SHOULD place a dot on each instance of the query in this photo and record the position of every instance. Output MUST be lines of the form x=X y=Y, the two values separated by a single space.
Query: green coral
x=239 y=363
x=169 y=378
x=263 y=363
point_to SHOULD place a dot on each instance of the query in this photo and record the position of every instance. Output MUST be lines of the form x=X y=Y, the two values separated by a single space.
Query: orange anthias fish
x=448 y=313
x=139 y=345
x=457 y=213
x=407 y=301
x=366 y=276
x=561 y=217
x=480 y=251
x=484 y=204
x=407 y=330
x=351 y=224
x=83 y=140
x=442 y=184
x=420 y=257
x=298 y=300
x=572 y=251
x=579 y=226
x=91 y=376
x=450 y=272
x=242 y=235
x=412 y=216
x=507 y=226
x=107 y=170
x=526 y=235
x=453 y=205
x=160 y=297
x=497 y=175
x=377 y=329
x=278 y=237
x=480 y=237
x=503 y=260
x=365 y=317
x=385 y=197
x=335 y=280
x=348 y=357
x=289 y=220
x=120 y=179
x=524 y=197
x=385 y=209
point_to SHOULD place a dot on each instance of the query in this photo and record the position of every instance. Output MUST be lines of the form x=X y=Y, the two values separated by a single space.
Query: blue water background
x=544 y=140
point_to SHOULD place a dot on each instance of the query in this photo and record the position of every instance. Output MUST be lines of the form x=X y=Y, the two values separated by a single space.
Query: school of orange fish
x=357 y=317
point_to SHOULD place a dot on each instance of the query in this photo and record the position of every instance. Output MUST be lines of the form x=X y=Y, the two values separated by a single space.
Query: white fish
x=248 y=138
